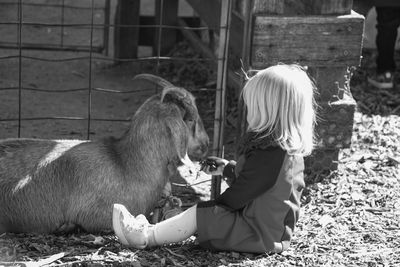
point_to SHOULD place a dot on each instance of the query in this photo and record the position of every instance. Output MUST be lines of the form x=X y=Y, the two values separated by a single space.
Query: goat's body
x=53 y=184
x=48 y=186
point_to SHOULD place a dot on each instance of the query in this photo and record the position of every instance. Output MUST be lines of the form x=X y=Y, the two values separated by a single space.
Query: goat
x=49 y=186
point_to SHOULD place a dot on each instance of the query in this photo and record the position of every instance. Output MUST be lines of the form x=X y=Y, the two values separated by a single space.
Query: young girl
x=258 y=212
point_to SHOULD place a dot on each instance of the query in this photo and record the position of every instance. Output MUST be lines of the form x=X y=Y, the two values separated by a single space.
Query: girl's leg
x=175 y=229
x=139 y=233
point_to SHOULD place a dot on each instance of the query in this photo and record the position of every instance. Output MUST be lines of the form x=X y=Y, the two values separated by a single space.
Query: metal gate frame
x=222 y=66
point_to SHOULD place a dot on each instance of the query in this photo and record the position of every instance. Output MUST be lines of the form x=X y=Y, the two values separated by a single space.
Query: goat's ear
x=179 y=133
x=181 y=98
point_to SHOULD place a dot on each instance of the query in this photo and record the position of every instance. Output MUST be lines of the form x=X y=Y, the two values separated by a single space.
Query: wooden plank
x=331 y=82
x=126 y=37
x=328 y=7
x=310 y=40
x=206 y=52
x=298 y=7
x=302 y=7
x=195 y=41
x=168 y=13
x=268 y=7
x=320 y=164
x=210 y=12
x=334 y=132
x=335 y=124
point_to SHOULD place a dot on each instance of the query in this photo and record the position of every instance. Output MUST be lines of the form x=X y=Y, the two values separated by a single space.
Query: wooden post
x=326 y=36
x=246 y=51
x=220 y=99
x=166 y=13
x=126 y=36
x=106 y=28
x=210 y=10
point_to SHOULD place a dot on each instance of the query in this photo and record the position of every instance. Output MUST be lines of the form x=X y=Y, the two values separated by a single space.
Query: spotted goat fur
x=49 y=186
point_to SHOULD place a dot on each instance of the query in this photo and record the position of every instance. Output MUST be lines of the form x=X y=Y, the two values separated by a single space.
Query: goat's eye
x=191 y=124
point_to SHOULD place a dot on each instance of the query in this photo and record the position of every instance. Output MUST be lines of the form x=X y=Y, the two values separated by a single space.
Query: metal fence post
x=226 y=9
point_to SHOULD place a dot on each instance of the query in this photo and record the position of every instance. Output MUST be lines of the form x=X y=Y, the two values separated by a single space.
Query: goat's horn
x=150 y=81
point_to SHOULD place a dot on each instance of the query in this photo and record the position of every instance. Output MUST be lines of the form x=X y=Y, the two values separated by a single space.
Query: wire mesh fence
x=62 y=73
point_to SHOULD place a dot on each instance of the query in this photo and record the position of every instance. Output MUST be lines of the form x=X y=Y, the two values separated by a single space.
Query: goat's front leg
x=168 y=205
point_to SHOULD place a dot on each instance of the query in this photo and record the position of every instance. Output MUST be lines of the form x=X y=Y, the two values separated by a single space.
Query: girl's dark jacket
x=258 y=212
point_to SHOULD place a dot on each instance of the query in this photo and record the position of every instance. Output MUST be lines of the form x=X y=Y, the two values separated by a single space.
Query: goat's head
x=195 y=140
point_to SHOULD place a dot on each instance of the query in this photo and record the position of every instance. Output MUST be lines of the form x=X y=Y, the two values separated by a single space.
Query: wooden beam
x=126 y=37
x=329 y=7
x=335 y=125
x=206 y=52
x=331 y=82
x=268 y=7
x=210 y=12
x=302 y=7
x=195 y=41
x=166 y=14
x=307 y=40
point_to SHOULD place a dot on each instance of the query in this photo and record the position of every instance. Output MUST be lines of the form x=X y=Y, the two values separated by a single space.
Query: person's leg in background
x=388 y=21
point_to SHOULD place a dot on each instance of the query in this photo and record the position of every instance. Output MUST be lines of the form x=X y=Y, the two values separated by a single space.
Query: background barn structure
x=348 y=218
x=66 y=65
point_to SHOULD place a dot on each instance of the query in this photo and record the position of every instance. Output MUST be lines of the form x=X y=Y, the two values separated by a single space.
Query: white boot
x=131 y=231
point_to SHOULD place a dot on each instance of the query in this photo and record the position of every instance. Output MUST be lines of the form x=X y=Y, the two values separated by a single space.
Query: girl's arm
x=228 y=173
x=260 y=172
x=219 y=166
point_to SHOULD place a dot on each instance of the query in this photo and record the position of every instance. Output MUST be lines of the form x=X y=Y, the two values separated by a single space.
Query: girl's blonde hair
x=280 y=103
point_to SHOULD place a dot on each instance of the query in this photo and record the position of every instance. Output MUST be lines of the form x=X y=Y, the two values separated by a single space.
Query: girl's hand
x=214 y=165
